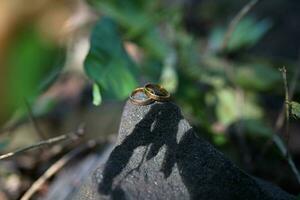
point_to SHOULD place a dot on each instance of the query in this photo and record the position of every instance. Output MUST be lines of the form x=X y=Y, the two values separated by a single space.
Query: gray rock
x=159 y=156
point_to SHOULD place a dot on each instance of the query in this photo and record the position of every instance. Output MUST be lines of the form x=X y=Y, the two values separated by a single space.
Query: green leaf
x=257 y=127
x=216 y=38
x=256 y=77
x=231 y=108
x=219 y=139
x=169 y=78
x=30 y=61
x=97 y=99
x=295 y=109
x=247 y=33
x=107 y=62
x=154 y=44
x=135 y=16
x=128 y=14
x=139 y=22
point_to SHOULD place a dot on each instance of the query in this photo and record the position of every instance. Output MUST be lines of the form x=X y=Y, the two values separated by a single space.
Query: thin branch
x=287 y=109
x=280 y=119
x=11 y=127
x=235 y=21
x=55 y=168
x=284 y=151
x=16 y=123
x=34 y=122
x=285 y=115
x=73 y=135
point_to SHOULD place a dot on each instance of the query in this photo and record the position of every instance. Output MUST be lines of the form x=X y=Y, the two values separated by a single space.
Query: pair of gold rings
x=148 y=94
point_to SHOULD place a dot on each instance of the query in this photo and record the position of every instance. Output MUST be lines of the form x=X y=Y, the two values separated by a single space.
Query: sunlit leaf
x=107 y=62
x=97 y=99
x=231 y=107
x=295 y=109
x=169 y=78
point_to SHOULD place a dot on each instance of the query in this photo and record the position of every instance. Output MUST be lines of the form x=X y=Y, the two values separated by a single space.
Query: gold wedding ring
x=141 y=101
x=156 y=92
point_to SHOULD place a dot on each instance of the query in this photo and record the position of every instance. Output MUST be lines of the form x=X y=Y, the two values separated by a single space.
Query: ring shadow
x=157 y=128
x=199 y=164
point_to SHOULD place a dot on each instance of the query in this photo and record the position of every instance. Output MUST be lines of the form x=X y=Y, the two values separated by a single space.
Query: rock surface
x=159 y=156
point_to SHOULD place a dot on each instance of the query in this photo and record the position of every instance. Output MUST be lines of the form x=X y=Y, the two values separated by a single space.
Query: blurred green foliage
x=246 y=34
x=108 y=63
x=256 y=76
x=225 y=93
x=138 y=21
x=34 y=63
x=211 y=86
x=230 y=108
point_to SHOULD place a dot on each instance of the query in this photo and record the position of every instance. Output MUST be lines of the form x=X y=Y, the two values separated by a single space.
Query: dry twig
x=55 y=168
x=285 y=115
x=34 y=122
x=286 y=103
x=284 y=148
x=281 y=117
x=73 y=135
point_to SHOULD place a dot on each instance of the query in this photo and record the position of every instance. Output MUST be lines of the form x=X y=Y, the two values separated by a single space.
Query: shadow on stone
x=159 y=156
x=156 y=129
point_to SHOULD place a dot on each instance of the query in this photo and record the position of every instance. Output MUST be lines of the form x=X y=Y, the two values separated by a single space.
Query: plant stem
x=235 y=21
x=287 y=109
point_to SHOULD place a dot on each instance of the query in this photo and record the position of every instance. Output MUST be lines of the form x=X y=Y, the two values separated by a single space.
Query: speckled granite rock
x=159 y=156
